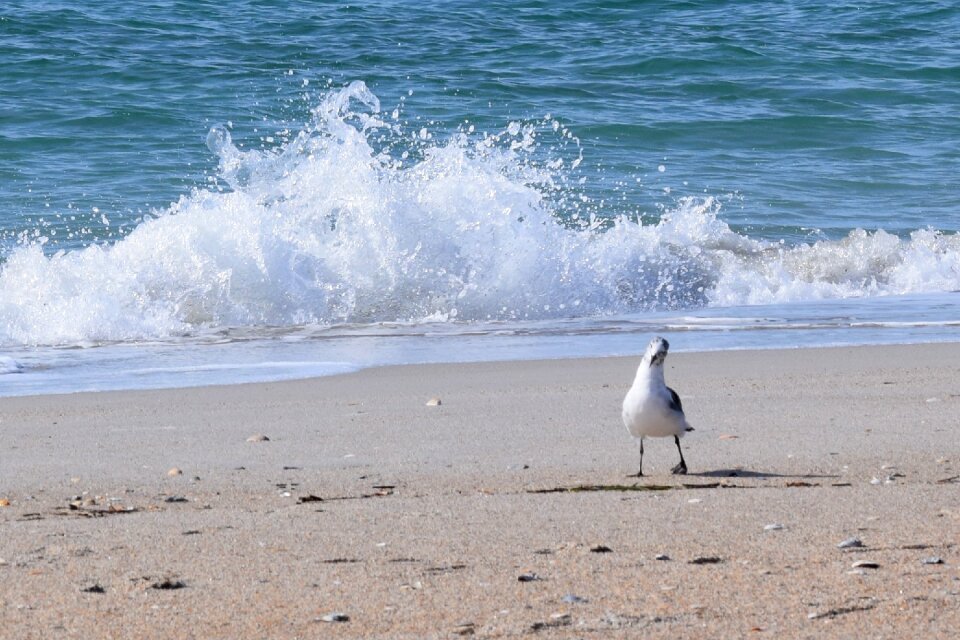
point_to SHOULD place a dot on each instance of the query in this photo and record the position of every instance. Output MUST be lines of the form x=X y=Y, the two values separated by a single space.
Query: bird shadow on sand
x=792 y=480
x=747 y=473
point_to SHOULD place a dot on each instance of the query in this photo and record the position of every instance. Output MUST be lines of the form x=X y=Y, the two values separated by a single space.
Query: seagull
x=651 y=409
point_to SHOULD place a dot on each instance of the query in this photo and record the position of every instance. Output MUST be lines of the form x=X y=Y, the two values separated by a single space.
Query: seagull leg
x=639 y=474
x=680 y=469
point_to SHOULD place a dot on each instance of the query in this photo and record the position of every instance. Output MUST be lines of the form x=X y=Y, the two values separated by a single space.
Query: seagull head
x=657 y=351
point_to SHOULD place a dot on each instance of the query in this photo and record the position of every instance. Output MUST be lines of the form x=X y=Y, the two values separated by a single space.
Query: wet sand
x=506 y=511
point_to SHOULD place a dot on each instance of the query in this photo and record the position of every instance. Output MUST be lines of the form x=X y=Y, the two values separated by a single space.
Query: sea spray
x=354 y=220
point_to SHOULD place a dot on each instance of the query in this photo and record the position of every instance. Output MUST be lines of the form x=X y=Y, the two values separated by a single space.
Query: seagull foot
x=638 y=474
x=679 y=470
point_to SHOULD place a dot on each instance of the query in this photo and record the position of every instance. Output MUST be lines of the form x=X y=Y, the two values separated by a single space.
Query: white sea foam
x=338 y=226
x=9 y=365
x=862 y=264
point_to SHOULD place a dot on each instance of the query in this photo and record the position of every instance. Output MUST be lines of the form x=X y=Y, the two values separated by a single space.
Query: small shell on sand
x=4 y=502
x=573 y=599
x=864 y=564
x=175 y=471
x=258 y=437
x=335 y=617
x=434 y=402
x=850 y=543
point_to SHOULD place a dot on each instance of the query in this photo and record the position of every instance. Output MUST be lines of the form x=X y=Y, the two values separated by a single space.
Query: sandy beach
x=506 y=511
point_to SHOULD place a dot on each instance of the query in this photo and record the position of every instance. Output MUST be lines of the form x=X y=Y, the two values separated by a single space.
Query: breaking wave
x=354 y=221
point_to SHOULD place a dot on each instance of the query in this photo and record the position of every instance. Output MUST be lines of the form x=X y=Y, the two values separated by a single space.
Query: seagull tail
x=689 y=428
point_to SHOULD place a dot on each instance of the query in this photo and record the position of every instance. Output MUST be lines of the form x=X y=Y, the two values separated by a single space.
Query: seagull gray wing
x=677 y=406
x=675 y=403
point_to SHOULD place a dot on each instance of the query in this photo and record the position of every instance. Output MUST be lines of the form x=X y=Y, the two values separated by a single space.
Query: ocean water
x=198 y=193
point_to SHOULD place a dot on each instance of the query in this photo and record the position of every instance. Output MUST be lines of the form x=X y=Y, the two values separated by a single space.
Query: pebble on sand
x=258 y=437
x=773 y=527
x=4 y=502
x=434 y=402
x=933 y=560
x=175 y=471
x=865 y=564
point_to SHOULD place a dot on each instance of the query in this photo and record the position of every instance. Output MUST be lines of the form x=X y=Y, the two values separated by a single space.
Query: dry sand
x=418 y=521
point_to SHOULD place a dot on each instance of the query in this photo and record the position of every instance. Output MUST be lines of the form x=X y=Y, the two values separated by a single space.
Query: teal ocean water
x=196 y=192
